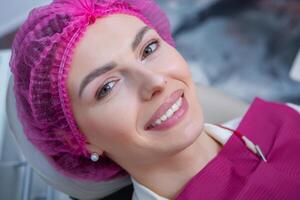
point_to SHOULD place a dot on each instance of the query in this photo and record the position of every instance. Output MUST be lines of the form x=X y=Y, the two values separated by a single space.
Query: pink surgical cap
x=41 y=56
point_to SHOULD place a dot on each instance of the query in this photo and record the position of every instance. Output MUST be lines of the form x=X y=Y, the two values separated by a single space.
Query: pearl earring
x=94 y=157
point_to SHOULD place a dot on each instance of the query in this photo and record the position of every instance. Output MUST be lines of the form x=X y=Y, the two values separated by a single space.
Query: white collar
x=141 y=192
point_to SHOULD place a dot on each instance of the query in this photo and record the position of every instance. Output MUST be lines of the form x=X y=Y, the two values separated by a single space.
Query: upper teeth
x=169 y=113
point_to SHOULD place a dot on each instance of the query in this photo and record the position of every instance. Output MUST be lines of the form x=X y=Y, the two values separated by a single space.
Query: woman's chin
x=183 y=139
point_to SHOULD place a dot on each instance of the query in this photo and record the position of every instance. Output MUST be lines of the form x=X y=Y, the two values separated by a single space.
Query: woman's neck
x=169 y=177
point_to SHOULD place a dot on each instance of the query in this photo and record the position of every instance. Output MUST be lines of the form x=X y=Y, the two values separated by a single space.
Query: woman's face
x=134 y=72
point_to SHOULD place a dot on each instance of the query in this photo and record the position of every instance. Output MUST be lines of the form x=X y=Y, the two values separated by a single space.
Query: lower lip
x=176 y=117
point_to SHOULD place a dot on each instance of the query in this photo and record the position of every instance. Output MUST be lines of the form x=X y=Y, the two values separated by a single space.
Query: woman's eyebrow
x=94 y=74
x=139 y=37
x=111 y=65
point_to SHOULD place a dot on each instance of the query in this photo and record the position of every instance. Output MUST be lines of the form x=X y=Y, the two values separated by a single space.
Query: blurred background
x=244 y=48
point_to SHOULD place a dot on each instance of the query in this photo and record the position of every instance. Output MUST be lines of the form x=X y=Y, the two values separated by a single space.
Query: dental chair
x=217 y=108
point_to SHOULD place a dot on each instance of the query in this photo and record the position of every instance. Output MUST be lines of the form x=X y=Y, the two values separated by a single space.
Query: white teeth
x=175 y=107
x=169 y=113
x=179 y=101
x=163 y=118
x=158 y=122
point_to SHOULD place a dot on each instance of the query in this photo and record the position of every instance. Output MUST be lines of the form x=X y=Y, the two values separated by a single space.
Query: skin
x=114 y=124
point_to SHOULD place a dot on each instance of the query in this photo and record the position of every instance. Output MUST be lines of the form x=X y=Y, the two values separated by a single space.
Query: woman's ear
x=94 y=149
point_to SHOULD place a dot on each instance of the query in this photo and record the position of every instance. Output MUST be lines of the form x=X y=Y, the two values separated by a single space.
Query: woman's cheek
x=177 y=63
x=116 y=116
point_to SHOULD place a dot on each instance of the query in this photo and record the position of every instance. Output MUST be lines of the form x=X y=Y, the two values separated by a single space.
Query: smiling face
x=124 y=77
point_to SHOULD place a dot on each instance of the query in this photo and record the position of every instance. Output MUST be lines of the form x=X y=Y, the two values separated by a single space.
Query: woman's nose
x=152 y=84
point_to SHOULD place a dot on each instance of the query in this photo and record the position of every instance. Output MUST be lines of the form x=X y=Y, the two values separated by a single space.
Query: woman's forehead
x=114 y=27
x=107 y=35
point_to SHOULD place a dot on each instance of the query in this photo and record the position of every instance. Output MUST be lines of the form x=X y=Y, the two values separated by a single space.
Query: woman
x=102 y=92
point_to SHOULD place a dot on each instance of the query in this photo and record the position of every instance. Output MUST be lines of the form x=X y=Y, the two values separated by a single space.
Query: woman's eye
x=105 y=90
x=150 y=49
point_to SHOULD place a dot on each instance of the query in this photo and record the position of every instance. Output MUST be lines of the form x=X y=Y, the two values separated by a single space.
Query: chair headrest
x=75 y=188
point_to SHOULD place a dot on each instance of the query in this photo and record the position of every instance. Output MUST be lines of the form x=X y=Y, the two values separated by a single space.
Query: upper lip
x=164 y=107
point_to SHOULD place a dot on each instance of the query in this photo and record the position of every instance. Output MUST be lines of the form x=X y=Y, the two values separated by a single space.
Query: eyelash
x=148 y=45
x=98 y=93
